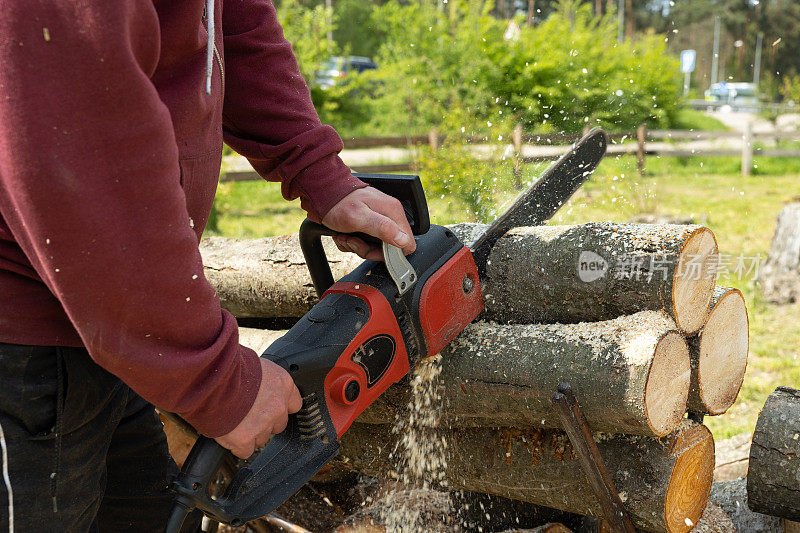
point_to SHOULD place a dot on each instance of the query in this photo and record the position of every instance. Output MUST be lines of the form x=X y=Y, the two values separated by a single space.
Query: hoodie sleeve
x=268 y=114
x=90 y=188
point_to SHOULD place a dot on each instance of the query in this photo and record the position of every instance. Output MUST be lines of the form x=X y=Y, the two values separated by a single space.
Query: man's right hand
x=277 y=398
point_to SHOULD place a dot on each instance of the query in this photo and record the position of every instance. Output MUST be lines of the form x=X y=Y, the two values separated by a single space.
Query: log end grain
x=694 y=280
x=722 y=357
x=690 y=482
x=667 y=387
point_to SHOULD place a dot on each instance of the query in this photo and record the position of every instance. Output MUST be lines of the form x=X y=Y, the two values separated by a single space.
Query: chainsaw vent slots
x=309 y=418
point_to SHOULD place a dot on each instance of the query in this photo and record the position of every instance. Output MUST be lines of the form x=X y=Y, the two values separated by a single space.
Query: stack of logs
x=628 y=313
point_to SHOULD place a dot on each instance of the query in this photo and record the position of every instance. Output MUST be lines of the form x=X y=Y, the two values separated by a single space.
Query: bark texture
x=731 y=497
x=714 y=520
x=662 y=482
x=719 y=353
x=598 y=271
x=630 y=375
x=773 y=481
x=780 y=277
x=266 y=278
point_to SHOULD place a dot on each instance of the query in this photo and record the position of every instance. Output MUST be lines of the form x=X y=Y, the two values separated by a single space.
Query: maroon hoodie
x=109 y=158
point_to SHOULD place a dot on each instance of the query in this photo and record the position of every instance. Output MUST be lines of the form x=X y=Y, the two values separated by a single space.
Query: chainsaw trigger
x=399 y=268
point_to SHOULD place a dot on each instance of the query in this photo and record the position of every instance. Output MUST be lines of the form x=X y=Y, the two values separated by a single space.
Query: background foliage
x=435 y=58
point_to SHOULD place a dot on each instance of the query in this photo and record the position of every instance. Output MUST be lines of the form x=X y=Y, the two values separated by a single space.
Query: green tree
x=307 y=29
x=358 y=35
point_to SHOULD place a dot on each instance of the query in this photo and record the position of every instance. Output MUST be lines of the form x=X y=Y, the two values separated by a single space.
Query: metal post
x=757 y=62
x=620 y=21
x=686 y=84
x=715 y=56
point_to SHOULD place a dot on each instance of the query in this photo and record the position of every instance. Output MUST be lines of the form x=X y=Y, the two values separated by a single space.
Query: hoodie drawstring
x=210 y=43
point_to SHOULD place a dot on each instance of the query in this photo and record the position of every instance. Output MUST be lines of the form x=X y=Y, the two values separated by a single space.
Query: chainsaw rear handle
x=194 y=481
x=406 y=189
x=311 y=234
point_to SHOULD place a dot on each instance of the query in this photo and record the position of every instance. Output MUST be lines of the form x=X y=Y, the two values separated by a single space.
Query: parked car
x=737 y=95
x=336 y=68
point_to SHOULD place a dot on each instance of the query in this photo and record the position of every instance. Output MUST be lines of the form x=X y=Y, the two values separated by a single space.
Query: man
x=111 y=131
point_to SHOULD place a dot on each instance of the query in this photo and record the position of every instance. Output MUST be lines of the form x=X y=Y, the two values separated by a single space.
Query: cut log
x=598 y=271
x=533 y=275
x=719 y=353
x=630 y=375
x=731 y=496
x=773 y=481
x=664 y=483
x=714 y=520
x=780 y=277
x=266 y=278
x=259 y=340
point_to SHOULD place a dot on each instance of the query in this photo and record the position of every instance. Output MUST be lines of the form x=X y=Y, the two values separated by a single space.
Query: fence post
x=433 y=139
x=516 y=138
x=747 y=150
x=641 y=137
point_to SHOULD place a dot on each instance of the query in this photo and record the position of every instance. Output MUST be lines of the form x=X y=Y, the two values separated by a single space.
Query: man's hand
x=277 y=398
x=372 y=212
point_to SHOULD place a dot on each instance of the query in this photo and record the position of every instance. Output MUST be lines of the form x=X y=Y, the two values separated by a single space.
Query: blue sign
x=687 y=60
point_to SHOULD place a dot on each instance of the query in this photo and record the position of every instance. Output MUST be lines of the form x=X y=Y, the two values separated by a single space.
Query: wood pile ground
x=628 y=313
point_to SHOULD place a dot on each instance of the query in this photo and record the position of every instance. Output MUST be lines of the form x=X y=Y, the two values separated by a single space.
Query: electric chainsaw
x=367 y=331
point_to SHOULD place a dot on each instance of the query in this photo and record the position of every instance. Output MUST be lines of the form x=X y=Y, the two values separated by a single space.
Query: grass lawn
x=740 y=211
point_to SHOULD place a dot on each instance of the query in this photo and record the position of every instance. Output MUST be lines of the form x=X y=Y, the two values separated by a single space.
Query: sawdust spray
x=420 y=458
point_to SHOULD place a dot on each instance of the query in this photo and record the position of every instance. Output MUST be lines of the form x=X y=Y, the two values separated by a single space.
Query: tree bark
x=629 y=19
x=719 y=353
x=531 y=12
x=773 y=481
x=731 y=497
x=714 y=520
x=598 y=271
x=662 y=482
x=532 y=276
x=780 y=277
x=266 y=278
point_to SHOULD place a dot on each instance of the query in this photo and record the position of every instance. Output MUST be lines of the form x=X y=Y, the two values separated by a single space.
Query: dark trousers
x=80 y=450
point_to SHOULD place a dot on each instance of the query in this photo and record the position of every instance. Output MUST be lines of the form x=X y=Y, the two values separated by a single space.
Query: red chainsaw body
x=447 y=304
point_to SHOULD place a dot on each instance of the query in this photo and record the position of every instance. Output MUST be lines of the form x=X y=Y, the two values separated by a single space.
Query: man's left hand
x=372 y=212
